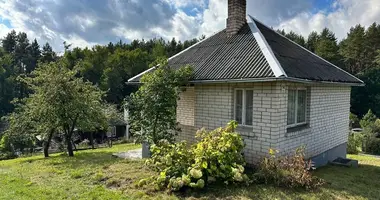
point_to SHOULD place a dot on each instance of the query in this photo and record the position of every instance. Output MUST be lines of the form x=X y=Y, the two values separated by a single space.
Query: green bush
x=216 y=157
x=368 y=119
x=373 y=146
x=355 y=142
x=7 y=155
x=289 y=171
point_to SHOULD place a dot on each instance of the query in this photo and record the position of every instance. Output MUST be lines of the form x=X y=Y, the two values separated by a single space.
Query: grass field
x=95 y=174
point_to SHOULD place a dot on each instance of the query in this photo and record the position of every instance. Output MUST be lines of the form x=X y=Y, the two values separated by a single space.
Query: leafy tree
x=368 y=119
x=152 y=108
x=121 y=66
x=20 y=134
x=7 y=83
x=65 y=101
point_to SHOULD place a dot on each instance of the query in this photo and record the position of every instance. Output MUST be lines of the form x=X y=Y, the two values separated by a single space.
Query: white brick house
x=282 y=95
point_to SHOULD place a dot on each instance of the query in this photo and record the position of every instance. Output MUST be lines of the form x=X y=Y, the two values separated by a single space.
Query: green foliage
x=61 y=101
x=354 y=121
x=373 y=146
x=219 y=154
x=7 y=155
x=289 y=171
x=152 y=109
x=216 y=157
x=368 y=119
x=368 y=97
x=173 y=159
x=355 y=143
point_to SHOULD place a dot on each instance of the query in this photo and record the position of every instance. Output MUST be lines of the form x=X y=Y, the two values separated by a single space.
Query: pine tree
x=35 y=55
x=9 y=42
x=372 y=39
x=48 y=55
x=354 y=50
x=327 y=47
x=299 y=39
x=312 y=41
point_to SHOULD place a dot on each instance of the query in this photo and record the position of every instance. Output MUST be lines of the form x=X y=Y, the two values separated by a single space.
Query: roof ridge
x=254 y=19
x=267 y=51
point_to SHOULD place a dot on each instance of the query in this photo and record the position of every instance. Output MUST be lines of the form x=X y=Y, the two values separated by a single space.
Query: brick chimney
x=237 y=10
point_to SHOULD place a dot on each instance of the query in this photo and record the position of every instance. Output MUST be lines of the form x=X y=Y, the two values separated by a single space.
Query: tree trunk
x=46 y=144
x=70 y=148
x=69 y=144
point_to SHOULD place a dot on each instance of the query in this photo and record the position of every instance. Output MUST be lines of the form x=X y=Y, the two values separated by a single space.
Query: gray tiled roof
x=298 y=62
x=256 y=52
x=220 y=57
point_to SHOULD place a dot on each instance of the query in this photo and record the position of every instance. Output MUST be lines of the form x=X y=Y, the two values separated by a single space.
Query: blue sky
x=89 y=22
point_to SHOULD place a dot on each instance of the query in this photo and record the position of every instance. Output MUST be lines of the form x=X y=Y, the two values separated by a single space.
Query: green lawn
x=95 y=174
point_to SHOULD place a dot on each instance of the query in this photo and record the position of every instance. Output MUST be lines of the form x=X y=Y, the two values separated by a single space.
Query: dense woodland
x=110 y=66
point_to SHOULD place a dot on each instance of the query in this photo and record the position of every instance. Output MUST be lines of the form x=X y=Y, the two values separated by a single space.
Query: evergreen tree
x=354 y=50
x=34 y=56
x=9 y=42
x=48 y=55
x=372 y=39
x=327 y=47
x=299 y=39
x=312 y=41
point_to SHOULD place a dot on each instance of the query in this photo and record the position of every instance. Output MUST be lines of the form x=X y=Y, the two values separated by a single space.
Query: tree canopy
x=152 y=109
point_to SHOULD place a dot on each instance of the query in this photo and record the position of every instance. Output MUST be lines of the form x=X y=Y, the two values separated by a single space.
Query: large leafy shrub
x=216 y=157
x=368 y=119
x=288 y=171
x=373 y=146
x=355 y=142
x=152 y=109
x=354 y=121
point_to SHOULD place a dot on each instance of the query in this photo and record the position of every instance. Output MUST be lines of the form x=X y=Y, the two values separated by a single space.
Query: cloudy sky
x=88 y=22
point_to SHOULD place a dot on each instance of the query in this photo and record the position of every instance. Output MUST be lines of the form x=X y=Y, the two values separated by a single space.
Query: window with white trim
x=244 y=106
x=296 y=107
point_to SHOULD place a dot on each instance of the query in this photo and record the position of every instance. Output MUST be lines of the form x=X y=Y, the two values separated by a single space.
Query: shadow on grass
x=80 y=160
x=363 y=181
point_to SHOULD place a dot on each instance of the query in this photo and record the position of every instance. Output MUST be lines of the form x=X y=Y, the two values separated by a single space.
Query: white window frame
x=243 y=106
x=296 y=108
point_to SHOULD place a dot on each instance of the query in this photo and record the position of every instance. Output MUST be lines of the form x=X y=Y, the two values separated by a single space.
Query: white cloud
x=347 y=13
x=86 y=22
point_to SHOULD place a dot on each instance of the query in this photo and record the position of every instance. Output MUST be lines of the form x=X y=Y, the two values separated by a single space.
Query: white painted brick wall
x=327 y=116
x=185 y=107
x=328 y=120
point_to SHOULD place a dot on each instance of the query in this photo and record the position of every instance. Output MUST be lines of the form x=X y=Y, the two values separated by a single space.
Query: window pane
x=248 y=107
x=291 y=106
x=239 y=106
x=301 y=109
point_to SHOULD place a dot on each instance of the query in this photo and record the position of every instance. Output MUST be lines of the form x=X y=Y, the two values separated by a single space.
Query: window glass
x=239 y=106
x=291 y=106
x=301 y=106
x=248 y=107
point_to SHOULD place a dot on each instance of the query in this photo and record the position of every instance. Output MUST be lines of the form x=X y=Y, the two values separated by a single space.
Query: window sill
x=297 y=128
x=246 y=131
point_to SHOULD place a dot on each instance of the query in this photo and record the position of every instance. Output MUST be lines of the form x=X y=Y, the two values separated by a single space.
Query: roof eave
x=271 y=79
